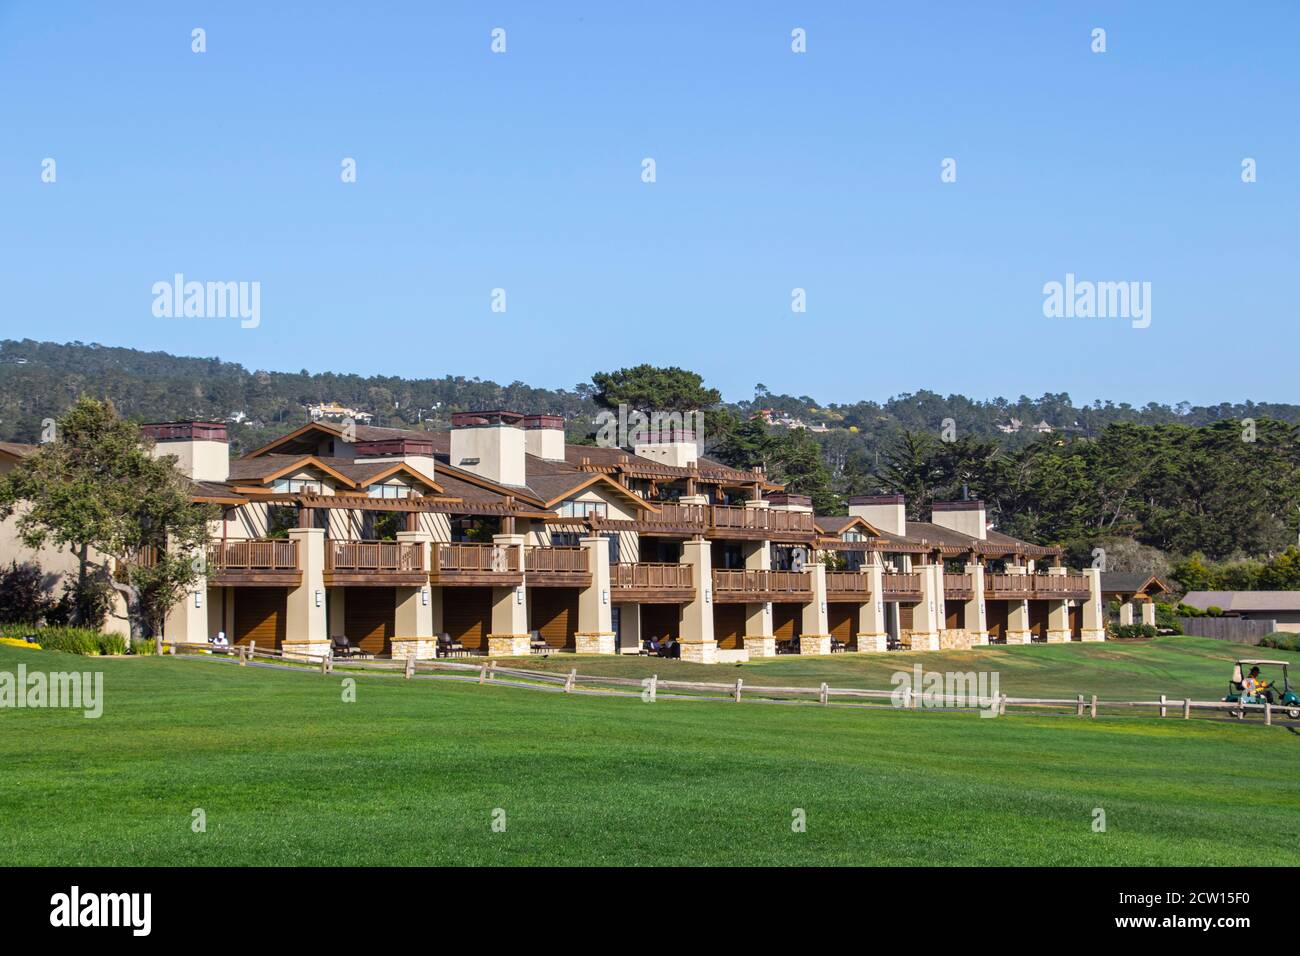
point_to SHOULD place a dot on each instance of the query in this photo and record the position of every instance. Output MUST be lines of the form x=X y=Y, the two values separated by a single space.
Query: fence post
x=1094 y=706
x=482 y=674
x=252 y=649
x=654 y=684
x=1164 y=706
x=568 y=683
x=492 y=670
x=1187 y=709
x=1268 y=714
x=826 y=693
x=1079 y=711
x=739 y=683
x=410 y=667
x=324 y=666
x=243 y=659
x=1002 y=707
x=907 y=698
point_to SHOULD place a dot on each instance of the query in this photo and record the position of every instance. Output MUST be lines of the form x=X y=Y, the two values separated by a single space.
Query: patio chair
x=446 y=646
x=340 y=646
x=535 y=640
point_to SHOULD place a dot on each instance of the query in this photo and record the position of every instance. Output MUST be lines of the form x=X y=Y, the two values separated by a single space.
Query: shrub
x=1282 y=640
x=85 y=641
x=141 y=646
x=1133 y=630
x=22 y=594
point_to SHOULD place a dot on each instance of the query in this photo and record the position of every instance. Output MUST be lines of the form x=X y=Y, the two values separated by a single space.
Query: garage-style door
x=842 y=619
x=467 y=615
x=260 y=616
x=954 y=615
x=729 y=626
x=368 y=618
x=661 y=621
x=995 y=616
x=555 y=615
x=1076 y=623
x=905 y=616
x=1038 y=620
x=787 y=621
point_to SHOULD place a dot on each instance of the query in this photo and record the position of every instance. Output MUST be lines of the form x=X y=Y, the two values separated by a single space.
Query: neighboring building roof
x=1244 y=601
x=1131 y=582
x=16 y=450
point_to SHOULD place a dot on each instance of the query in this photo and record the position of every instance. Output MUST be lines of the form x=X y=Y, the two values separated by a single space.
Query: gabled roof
x=1131 y=582
x=348 y=473
x=1257 y=602
x=837 y=525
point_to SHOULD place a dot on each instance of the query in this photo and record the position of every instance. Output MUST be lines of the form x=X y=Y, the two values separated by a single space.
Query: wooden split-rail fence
x=651 y=688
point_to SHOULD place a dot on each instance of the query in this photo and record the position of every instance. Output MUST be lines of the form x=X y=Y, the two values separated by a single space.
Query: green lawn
x=411 y=773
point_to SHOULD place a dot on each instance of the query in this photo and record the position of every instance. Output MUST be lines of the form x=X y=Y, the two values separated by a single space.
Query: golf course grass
x=412 y=772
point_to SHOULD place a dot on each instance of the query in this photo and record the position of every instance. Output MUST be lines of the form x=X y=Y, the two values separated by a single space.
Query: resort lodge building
x=501 y=538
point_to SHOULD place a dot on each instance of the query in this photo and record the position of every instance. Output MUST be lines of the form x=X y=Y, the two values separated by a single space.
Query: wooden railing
x=958 y=582
x=650 y=575
x=475 y=557
x=1056 y=583
x=907 y=582
x=373 y=556
x=1013 y=586
x=734 y=518
x=756 y=581
x=849 y=581
x=543 y=560
x=253 y=554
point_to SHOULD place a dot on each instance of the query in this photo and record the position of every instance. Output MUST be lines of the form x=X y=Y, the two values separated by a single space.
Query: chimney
x=544 y=436
x=965 y=516
x=784 y=501
x=675 y=447
x=202 y=449
x=489 y=444
x=416 y=452
x=886 y=512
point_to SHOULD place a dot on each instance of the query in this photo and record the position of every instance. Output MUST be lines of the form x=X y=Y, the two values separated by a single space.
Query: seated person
x=1255 y=687
x=220 y=640
x=652 y=645
x=673 y=648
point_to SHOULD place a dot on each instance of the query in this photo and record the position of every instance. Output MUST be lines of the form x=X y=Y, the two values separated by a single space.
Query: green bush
x=85 y=641
x=142 y=646
x=1282 y=640
x=1133 y=630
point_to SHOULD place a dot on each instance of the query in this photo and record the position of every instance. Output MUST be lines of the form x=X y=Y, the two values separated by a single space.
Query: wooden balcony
x=759 y=524
x=1060 y=587
x=842 y=586
x=475 y=565
x=557 y=567
x=746 y=587
x=375 y=563
x=673 y=520
x=958 y=587
x=1008 y=587
x=253 y=562
x=903 y=587
x=646 y=582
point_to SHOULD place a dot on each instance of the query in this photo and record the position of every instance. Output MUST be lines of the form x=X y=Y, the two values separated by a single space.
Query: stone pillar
x=1018 y=614
x=1094 y=616
x=305 y=631
x=1058 y=614
x=413 y=633
x=697 y=617
x=1149 y=612
x=872 y=636
x=927 y=616
x=976 y=613
x=759 y=640
x=815 y=637
x=509 y=635
x=595 y=622
x=1126 y=613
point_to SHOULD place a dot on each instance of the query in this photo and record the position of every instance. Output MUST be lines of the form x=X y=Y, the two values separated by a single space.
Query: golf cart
x=1267 y=691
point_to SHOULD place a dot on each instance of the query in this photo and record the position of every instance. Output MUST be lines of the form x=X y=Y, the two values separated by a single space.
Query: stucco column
x=305 y=631
x=1126 y=613
x=1094 y=619
x=595 y=621
x=1149 y=612
x=926 y=614
x=816 y=638
x=187 y=620
x=976 y=613
x=629 y=628
x=872 y=636
x=509 y=635
x=758 y=639
x=413 y=634
x=1018 y=614
x=1058 y=615
x=697 y=617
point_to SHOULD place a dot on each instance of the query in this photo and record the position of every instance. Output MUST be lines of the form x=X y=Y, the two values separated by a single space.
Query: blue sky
x=775 y=170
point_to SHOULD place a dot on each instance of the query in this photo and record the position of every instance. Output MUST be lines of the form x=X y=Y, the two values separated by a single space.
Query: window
x=298 y=486
x=564 y=539
x=389 y=490
x=584 y=509
x=854 y=536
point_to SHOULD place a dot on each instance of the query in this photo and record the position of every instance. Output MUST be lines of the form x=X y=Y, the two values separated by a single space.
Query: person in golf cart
x=1252 y=686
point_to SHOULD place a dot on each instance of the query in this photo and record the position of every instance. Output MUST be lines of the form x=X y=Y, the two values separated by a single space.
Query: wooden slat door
x=661 y=621
x=260 y=616
x=842 y=620
x=467 y=615
x=954 y=615
x=996 y=617
x=555 y=615
x=729 y=626
x=1038 y=620
x=1076 y=623
x=905 y=616
x=787 y=621
x=368 y=615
